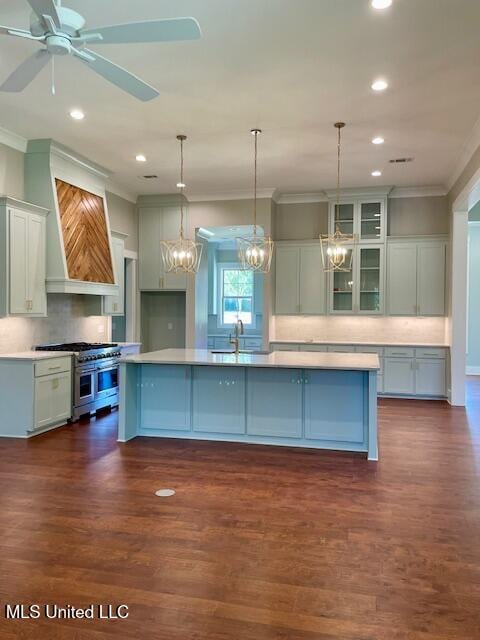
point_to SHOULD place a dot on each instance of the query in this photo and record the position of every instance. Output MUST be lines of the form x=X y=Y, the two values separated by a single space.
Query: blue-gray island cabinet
x=300 y=399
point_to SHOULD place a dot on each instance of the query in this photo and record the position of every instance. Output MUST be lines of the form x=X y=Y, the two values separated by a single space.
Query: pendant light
x=255 y=253
x=181 y=255
x=337 y=247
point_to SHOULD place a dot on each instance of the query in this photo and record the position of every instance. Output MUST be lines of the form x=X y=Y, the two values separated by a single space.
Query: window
x=236 y=296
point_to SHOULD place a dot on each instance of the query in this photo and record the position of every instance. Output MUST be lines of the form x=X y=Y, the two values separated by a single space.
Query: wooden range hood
x=79 y=249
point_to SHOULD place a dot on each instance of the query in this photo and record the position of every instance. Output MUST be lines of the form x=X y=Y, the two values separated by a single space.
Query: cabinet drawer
x=426 y=352
x=341 y=348
x=53 y=365
x=367 y=349
x=313 y=347
x=399 y=352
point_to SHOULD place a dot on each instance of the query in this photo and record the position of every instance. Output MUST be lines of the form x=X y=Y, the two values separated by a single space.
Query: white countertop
x=35 y=355
x=283 y=359
x=365 y=343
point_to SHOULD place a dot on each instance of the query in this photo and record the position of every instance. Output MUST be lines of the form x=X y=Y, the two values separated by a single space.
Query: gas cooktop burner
x=76 y=346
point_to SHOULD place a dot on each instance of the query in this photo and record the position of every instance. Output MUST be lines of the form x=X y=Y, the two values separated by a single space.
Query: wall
x=11 y=172
x=163 y=321
x=300 y=221
x=473 y=320
x=123 y=218
x=381 y=329
x=66 y=322
x=418 y=216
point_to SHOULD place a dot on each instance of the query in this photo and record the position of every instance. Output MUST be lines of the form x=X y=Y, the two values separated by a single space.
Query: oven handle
x=105 y=366
x=82 y=371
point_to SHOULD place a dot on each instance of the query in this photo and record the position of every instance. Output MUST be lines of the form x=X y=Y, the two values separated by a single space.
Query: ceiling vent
x=150 y=176
x=400 y=160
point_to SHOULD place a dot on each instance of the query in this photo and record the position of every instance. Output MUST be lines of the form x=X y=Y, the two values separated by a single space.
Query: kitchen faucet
x=238 y=332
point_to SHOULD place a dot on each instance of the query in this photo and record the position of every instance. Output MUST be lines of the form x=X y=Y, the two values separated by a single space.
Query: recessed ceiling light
x=77 y=114
x=379 y=85
x=376 y=174
x=378 y=140
x=381 y=4
x=140 y=158
x=181 y=185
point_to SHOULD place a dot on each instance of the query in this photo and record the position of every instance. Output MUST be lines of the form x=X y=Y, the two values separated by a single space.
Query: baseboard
x=473 y=371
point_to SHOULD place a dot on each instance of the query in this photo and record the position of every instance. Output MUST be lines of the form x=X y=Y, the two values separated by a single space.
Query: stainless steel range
x=95 y=376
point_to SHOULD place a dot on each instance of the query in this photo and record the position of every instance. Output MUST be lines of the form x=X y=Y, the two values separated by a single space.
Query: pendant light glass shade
x=337 y=247
x=255 y=252
x=181 y=255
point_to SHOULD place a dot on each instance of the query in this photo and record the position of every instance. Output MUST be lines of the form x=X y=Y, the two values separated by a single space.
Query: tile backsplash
x=359 y=329
x=67 y=321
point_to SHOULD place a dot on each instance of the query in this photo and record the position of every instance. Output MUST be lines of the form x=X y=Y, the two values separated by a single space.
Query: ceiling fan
x=61 y=31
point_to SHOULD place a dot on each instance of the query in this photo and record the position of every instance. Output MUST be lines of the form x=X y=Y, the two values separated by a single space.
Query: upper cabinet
x=364 y=217
x=361 y=290
x=22 y=258
x=299 y=278
x=115 y=305
x=159 y=219
x=416 y=272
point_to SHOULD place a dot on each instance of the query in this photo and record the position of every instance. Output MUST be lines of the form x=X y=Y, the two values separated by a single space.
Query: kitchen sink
x=242 y=352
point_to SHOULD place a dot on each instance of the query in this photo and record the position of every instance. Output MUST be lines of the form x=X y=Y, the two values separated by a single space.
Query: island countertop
x=276 y=359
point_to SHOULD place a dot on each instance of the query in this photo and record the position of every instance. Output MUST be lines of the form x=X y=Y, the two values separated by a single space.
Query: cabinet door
x=115 y=305
x=53 y=399
x=18 y=262
x=371 y=221
x=343 y=218
x=312 y=280
x=342 y=288
x=430 y=378
x=287 y=275
x=327 y=415
x=399 y=376
x=165 y=397
x=170 y=230
x=219 y=399
x=402 y=279
x=431 y=259
x=150 y=267
x=370 y=280
x=36 y=264
x=274 y=402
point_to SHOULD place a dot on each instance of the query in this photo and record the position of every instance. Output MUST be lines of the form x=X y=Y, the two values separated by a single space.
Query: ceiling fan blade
x=26 y=72
x=11 y=31
x=45 y=8
x=150 y=31
x=119 y=77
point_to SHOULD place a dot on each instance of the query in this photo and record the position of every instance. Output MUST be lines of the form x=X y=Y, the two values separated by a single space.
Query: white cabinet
x=430 y=377
x=159 y=219
x=35 y=394
x=399 y=376
x=299 y=279
x=416 y=277
x=22 y=258
x=53 y=399
x=115 y=305
x=361 y=290
x=362 y=216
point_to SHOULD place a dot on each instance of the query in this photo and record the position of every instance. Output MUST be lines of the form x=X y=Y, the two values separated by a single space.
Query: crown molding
x=13 y=140
x=360 y=192
x=244 y=194
x=300 y=198
x=469 y=147
x=121 y=192
x=417 y=192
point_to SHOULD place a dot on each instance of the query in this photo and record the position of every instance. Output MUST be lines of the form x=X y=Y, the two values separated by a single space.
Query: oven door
x=84 y=391
x=106 y=380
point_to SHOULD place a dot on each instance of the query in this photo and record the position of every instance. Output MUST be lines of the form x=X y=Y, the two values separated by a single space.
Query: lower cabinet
x=274 y=402
x=430 y=377
x=218 y=399
x=327 y=415
x=166 y=397
x=399 y=376
x=53 y=399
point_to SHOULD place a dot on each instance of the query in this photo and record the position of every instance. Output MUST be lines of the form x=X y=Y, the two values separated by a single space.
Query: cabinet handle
x=305 y=380
x=160 y=283
x=54 y=368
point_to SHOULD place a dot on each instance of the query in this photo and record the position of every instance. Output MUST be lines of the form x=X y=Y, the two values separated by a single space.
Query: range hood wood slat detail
x=85 y=234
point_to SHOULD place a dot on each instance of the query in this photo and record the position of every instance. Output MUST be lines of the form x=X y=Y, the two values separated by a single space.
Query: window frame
x=231 y=266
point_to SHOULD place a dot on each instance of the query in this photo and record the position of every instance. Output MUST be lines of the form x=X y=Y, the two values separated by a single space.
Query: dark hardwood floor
x=258 y=542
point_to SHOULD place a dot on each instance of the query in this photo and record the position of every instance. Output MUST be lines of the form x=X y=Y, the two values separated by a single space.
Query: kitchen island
x=300 y=399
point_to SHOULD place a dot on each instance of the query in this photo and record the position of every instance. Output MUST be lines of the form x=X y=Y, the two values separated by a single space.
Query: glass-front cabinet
x=363 y=217
x=361 y=290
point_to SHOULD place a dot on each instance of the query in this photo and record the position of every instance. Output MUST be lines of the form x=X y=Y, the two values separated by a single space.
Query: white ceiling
x=291 y=67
